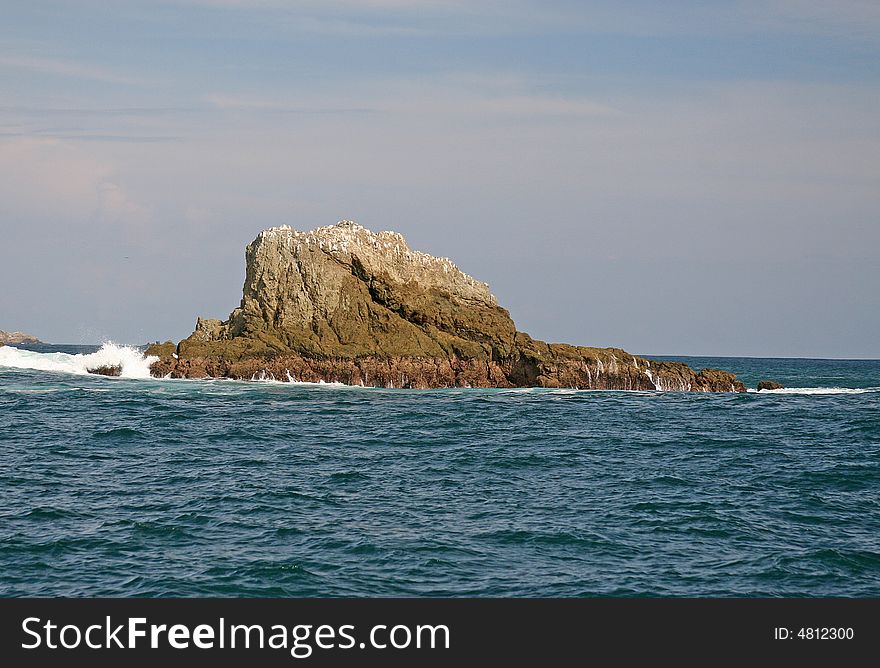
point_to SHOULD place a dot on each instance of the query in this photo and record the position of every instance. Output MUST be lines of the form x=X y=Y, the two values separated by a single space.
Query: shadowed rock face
x=344 y=304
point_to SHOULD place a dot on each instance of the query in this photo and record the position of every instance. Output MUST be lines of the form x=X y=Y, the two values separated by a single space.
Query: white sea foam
x=818 y=390
x=322 y=383
x=264 y=377
x=131 y=360
x=268 y=378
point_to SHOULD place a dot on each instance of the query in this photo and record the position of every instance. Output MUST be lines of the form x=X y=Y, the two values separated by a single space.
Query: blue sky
x=676 y=177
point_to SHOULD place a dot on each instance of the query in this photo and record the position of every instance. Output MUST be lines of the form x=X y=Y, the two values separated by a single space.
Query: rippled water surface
x=143 y=487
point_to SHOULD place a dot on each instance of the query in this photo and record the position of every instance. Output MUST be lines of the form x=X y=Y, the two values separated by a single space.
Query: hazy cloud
x=67 y=68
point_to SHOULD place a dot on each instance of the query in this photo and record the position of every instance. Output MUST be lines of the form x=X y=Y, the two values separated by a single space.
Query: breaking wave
x=131 y=360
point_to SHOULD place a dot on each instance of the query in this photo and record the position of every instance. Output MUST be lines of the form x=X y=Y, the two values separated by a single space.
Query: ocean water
x=142 y=487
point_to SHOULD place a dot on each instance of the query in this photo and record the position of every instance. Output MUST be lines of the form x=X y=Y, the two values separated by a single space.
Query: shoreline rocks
x=769 y=385
x=426 y=373
x=13 y=338
x=107 y=370
x=344 y=304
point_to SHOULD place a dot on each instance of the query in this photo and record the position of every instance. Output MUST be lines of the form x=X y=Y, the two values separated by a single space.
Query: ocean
x=135 y=486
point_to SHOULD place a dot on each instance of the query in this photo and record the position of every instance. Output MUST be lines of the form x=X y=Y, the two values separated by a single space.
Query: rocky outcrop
x=13 y=338
x=114 y=370
x=769 y=385
x=344 y=304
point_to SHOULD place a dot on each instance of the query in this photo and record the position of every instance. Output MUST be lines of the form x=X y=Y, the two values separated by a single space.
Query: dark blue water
x=184 y=488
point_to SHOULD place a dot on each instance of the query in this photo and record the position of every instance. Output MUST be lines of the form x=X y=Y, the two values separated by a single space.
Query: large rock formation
x=13 y=338
x=344 y=304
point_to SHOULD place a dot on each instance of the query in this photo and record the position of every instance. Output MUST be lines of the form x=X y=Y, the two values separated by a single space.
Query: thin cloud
x=389 y=18
x=67 y=68
x=96 y=111
x=854 y=17
x=357 y=5
x=454 y=94
x=134 y=139
x=225 y=102
x=848 y=18
x=534 y=106
x=333 y=26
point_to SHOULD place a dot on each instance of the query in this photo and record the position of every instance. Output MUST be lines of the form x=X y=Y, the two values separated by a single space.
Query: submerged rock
x=344 y=304
x=14 y=338
x=769 y=385
x=106 y=370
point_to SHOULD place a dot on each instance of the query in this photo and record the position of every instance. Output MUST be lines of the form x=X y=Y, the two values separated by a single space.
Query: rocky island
x=344 y=304
x=13 y=338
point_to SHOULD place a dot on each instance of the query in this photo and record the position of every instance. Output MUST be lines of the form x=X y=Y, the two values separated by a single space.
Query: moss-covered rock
x=157 y=349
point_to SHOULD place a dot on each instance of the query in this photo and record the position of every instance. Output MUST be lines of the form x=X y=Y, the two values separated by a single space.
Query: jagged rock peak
x=384 y=251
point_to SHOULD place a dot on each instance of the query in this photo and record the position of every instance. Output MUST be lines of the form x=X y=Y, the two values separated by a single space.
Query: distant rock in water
x=769 y=385
x=344 y=304
x=13 y=338
x=106 y=370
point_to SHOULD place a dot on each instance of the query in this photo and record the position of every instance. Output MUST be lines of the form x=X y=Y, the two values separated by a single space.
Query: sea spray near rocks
x=129 y=361
x=344 y=304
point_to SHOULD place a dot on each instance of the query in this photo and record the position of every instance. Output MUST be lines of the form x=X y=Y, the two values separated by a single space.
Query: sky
x=686 y=178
